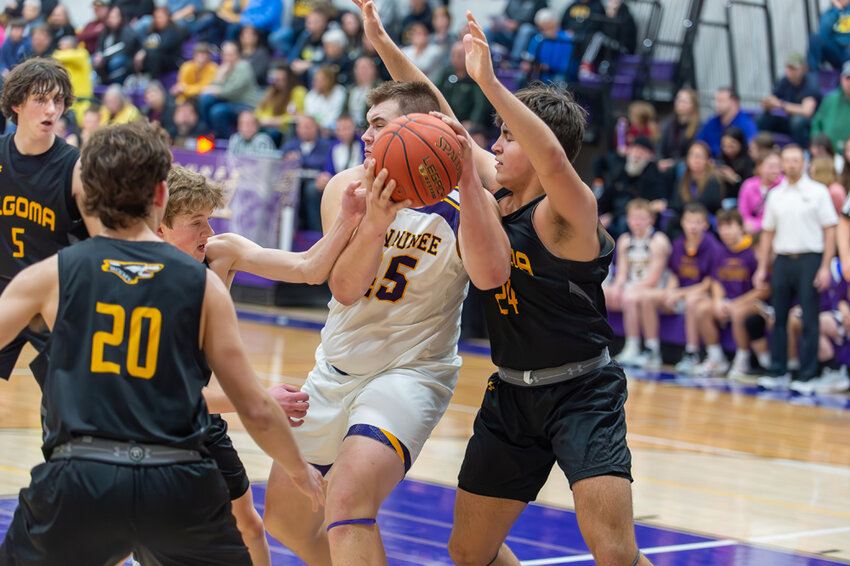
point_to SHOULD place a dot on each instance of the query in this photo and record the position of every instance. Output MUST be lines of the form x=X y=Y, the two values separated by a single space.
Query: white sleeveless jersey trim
x=412 y=311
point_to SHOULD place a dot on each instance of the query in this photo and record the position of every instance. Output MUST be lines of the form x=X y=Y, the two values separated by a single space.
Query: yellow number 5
x=116 y=336
x=16 y=232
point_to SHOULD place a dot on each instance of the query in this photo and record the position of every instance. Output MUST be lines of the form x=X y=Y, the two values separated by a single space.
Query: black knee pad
x=756 y=326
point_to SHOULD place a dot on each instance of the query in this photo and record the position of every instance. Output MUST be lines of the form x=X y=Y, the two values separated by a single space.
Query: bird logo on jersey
x=131 y=271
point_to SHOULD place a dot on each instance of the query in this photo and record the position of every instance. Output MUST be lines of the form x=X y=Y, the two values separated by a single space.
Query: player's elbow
x=257 y=416
x=342 y=293
x=494 y=275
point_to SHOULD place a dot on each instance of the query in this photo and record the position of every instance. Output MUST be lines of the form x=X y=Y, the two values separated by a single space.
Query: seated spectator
x=294 y=20
x=834 y=324
x=59 y=26
x=138 y=14
x=248 y=139
x=831 y=43
x=184 y=13
x=65 y=128
x=92 y=30
x=643 y=121
x=262 y=15
x=732 y=298
x=255 y=52
x=335 y=56
x=463 y=94
x=699 y=182
x=116 y=46
x=441 y=29
x=735 y=163
x=514 y=28
x=753 y=193
x=159 y=107
x=188 y=125
x=544 y=62
x=641 y=265
x=617 y=35
x=427 y=57
x=582 y=19
x=325 y=101
x=311 y=150
x=690 y=267
x=160 y=49
x=10 y=52
x=38 y=44
x=225 y=25
x=365 y=79
x=233 y=89
x=116 y=108
x=822 y=170
x=307 y=47
x=728 y=113
x=282 y=103
x=75 y=58
x=31 y=13
x=789 y=109
x=419 y=13
x=90 y=123
x=346 y=151
x=761 y=145
x=833 y=115
x=352 y=27
x=630 y=177
x=195 y=74
x=679 y=131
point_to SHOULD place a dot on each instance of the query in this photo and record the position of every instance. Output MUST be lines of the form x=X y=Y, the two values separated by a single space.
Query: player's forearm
x=267 y=424
x=321 y=257
x=217 y=401
x=357 y=266
x=484 y=245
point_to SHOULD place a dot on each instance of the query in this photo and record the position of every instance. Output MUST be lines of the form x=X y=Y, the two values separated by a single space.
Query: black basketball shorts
x=520 y=432
x=222 y=451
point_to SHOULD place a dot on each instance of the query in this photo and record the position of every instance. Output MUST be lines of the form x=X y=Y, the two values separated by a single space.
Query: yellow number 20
x=116 y=337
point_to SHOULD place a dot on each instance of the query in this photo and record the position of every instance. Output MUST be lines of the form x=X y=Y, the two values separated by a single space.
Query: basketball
x=422 y=154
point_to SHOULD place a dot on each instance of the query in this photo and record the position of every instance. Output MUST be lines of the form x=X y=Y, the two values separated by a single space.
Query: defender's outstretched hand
x=372 y=25
x=311 y=483
x=479 y=63
x=353 y=201
x=293 y=402
x=469 y=175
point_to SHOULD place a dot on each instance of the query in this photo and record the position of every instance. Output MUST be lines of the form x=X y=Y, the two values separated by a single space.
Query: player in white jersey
x=388 y=361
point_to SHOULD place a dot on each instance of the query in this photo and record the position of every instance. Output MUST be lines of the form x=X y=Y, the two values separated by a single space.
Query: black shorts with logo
x=222 y=451
x=78 y=511
x=520 y=432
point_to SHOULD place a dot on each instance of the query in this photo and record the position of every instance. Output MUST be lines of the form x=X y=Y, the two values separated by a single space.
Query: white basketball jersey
x=412 y=310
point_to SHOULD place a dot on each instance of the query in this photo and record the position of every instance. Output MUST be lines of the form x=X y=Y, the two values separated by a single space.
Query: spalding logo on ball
x=423 y=155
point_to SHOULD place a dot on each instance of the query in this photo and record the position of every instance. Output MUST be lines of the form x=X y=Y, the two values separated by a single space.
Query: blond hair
x=190 y=192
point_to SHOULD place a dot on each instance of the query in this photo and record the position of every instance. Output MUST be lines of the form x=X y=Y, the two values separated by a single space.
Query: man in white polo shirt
x=799 y=228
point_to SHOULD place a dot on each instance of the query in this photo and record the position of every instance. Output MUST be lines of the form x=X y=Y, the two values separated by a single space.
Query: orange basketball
x=422 y=154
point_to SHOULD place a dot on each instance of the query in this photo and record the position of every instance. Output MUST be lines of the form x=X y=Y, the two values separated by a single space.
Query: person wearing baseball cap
x=833 y=116
x=92 y=30
x=790 y=107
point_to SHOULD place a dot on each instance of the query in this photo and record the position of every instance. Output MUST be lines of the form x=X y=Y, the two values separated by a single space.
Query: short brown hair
x=556 y=107
x=120 y=168
x=410 y=96
x=729 y=216
x=190 y=192
x=34 y=77
x=640 y=204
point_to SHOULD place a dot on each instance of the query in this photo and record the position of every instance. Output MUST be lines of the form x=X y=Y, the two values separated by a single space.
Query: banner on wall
x=262 y=194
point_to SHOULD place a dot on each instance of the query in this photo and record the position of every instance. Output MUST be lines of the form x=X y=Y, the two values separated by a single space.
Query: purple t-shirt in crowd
x=691 y=268
x=734 y=269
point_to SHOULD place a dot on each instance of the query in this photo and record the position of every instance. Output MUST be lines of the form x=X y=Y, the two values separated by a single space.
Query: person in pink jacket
x=754 y=190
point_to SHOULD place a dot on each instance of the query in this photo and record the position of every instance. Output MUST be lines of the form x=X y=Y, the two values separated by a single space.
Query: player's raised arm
x=312 y=266
x=401 y=68
x=569 y=198
x=264 y=420
x=357 y=266
x=32 y=292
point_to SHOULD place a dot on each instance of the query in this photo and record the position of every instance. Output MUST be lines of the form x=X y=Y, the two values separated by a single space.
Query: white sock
x=691 y=350
x=653 y=345
x=793 y=363
x=742 y=357
x=714 y=352
x=764 y=359
x=632 y=344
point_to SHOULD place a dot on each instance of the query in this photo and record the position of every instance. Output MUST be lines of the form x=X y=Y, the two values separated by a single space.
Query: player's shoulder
x=659 y=238
x=341 y=179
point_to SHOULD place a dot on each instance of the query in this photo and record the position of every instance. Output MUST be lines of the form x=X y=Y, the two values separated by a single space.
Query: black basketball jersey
x=38 y=214
x=125 y=362
x=552 y=310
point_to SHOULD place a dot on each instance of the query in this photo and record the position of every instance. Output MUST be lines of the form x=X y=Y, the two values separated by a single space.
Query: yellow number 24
x=102 y=339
